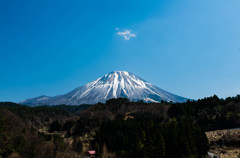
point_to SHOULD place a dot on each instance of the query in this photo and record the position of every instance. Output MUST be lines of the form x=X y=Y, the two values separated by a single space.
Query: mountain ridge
x=115 y=84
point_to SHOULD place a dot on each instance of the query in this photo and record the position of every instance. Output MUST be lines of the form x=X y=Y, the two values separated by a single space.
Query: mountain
x=113 y=85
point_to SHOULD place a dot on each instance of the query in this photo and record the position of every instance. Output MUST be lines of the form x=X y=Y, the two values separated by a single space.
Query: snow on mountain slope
x=113 y=85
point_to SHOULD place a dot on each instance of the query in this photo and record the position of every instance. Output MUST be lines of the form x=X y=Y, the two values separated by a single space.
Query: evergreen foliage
x=55 y=126
x=145 y=137
x=123 y=128
x=210 y=113
x=68 y=126
x=5 y=145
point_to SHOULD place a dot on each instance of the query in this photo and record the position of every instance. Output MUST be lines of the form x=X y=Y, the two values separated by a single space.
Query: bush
x=55 y=126
x=77 y=145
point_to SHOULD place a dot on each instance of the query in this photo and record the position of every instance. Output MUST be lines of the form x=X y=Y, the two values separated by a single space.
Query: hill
x=73 y=130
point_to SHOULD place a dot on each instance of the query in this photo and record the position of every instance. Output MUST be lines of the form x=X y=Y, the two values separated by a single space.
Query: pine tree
x=5 y=146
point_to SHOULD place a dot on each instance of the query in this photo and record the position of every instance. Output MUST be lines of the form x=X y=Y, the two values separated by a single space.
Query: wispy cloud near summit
x=127 y=35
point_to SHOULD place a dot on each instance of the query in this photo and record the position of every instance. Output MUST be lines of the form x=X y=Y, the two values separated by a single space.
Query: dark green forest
x=147 y=138
x=210 y=113
x=117 y=128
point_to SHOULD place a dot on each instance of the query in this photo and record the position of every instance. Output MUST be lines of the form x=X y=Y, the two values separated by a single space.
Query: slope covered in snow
x=113 y=85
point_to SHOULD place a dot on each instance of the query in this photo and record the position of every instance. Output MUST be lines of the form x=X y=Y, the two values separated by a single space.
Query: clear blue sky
x=187 y=47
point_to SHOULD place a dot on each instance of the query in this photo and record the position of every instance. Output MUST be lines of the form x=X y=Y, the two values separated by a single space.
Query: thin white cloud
x=127 y=35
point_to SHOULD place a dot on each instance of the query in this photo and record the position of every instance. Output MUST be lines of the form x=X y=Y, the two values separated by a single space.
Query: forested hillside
x=145 y=137
x=117 y=128
x=210 y=113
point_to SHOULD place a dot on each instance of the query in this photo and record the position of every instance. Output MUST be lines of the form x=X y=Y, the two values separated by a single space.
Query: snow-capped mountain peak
x=112 y=85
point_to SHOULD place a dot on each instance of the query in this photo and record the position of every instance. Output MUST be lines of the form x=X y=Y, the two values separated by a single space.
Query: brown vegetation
x=225 y=143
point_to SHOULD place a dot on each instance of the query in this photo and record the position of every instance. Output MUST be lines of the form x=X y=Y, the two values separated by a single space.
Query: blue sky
x=190 y=48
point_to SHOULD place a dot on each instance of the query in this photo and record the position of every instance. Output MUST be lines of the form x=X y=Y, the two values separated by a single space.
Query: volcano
x=117 y=84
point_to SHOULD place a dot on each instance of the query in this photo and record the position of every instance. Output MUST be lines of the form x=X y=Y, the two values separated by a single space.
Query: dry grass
x=225 y=142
